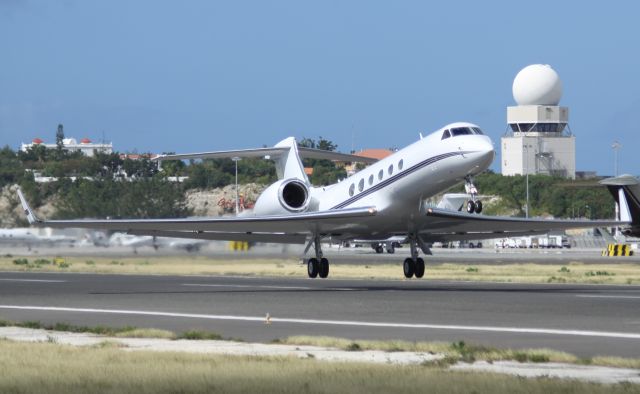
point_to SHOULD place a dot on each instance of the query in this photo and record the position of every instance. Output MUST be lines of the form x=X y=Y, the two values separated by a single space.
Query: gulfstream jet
x=384 y=200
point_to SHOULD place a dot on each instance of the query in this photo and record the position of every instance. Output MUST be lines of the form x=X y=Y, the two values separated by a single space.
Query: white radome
x=537 y=84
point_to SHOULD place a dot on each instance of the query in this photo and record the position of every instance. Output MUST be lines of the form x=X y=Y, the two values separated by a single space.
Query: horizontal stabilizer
x=270 y=153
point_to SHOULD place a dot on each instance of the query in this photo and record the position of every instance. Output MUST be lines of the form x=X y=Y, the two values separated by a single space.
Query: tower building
x=538 y=140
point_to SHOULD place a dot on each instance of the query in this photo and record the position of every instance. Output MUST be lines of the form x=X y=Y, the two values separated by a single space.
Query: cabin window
x=361 y=184
x=446 y=134
x=390 y=171
x=370 y=179
x=400 y=164
x=352 y=189
x=380 y=175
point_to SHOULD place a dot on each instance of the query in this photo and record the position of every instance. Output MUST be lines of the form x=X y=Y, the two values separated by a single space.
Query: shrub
x=21 y=262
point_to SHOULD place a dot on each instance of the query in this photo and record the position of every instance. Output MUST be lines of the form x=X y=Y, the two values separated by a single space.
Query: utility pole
x=236 y=159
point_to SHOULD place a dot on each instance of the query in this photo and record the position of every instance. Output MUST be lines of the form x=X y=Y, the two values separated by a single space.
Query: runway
x=586 y=320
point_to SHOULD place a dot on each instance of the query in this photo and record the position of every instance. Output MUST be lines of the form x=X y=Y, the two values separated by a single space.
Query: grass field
x=573 y=272
x=54 y=368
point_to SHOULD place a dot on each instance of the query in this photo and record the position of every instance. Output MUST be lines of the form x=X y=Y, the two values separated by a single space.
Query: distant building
x=378 y=154
x=86 y=146
x=138 y=156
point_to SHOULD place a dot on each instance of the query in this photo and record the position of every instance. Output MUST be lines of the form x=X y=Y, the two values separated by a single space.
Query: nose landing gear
x=474 y=205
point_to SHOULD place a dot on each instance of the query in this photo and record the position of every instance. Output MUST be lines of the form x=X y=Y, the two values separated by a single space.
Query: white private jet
x=383 y=200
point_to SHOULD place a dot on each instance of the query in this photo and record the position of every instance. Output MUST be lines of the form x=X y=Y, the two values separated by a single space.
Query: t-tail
x=625 y=189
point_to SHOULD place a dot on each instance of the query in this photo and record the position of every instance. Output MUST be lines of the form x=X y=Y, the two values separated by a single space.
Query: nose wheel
x=474 y=205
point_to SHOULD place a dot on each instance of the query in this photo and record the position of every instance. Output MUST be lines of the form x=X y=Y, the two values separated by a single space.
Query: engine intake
x=294 y=195
x=285 y=196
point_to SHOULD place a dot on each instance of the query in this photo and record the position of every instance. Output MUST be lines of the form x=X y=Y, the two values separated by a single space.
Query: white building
x=86 y=146
x=538 y=140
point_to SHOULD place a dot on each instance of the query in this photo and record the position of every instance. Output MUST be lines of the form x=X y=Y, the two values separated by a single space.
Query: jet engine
x=285 y=196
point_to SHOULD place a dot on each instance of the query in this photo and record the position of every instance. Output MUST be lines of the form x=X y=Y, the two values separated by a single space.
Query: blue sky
x=206 y=75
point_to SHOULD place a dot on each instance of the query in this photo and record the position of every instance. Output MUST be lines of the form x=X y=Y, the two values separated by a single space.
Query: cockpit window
x=461 y=131
x=477 y=131
x=446 y=134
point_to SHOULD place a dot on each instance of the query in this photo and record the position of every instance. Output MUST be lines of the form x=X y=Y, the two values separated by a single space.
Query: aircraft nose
x=487 y=152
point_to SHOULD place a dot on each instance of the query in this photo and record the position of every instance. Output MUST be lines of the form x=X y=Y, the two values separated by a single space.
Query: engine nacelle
x=285 y=196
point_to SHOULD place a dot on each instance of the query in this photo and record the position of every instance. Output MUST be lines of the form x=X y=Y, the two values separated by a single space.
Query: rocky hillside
x=213 y=202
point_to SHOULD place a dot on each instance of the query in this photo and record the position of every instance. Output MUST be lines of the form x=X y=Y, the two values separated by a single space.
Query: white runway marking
x=516 y=330
x=267 y=287
x=607 y=296
x=249 y=286
x=33 y=280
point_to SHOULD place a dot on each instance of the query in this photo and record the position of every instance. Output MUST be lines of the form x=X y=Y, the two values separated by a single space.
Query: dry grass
x=53 y=368
x=574 y=272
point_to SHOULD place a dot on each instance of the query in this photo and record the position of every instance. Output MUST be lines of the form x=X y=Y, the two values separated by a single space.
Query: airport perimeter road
x=586 y=320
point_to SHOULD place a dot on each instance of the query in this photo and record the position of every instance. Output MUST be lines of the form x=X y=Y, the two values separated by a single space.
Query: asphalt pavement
x=586 y=320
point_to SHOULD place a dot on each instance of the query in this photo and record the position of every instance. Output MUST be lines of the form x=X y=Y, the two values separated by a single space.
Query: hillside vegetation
x=107 y=185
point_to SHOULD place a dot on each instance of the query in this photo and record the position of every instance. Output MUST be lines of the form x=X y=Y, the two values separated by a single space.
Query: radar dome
x=537 y=84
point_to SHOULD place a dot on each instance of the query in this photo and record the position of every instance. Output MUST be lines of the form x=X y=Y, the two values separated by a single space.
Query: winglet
x=31 y=217
x=625 y=213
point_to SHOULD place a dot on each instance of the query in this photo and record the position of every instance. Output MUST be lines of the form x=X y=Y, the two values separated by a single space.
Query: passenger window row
x=352 y=188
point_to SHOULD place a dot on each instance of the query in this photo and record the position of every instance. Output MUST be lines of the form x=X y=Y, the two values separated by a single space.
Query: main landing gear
x=317 y=266
x=413 y=265
x=473 y=205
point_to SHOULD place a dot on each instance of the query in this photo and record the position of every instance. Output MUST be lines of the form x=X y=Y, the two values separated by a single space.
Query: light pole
x=615 y=146
x=236 y=159
x=526 y=171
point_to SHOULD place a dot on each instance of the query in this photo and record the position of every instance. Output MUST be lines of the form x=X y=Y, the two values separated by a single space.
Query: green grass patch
x=21 y=262
x=200 y=335
x=599 y=273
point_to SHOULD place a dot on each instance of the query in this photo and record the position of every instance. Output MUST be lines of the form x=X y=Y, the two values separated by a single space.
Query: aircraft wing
x=291 y=228
x=270 y=152
x=445 y=225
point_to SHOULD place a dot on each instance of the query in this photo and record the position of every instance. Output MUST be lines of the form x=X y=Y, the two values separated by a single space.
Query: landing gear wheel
x=471 y=206
x=409 y=267
x=478 y=206
x=323 y=268
x=419 y=268
x=391 y=249
x=312 y=267
x=379 y=249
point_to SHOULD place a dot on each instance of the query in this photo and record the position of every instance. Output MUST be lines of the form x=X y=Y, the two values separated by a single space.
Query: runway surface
x=586 y=320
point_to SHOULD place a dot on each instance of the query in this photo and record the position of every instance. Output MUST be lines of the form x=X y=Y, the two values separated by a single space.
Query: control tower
x=538 y=140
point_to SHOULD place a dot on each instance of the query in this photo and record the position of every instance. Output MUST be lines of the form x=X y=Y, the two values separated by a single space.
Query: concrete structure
x=538 y=140
x=86 y=146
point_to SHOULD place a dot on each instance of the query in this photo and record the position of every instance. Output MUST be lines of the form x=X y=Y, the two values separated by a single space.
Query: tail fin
x=289 y=164
x=625 y=189
x=31 y=216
